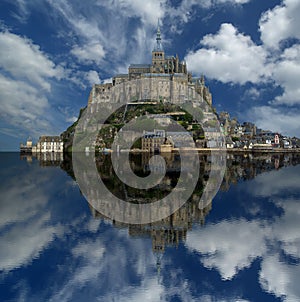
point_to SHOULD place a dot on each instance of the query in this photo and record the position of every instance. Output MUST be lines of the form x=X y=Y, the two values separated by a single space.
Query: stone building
x=161 y=63
x=49 y=144
x=26 y=148
x=167 y=79
x=151 y=141
x=164 y=141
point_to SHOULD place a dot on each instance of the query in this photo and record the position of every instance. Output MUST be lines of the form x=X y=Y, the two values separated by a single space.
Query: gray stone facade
x=165 y=79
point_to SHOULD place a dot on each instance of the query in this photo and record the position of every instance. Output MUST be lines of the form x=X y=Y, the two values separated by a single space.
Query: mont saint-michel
x=164 y=93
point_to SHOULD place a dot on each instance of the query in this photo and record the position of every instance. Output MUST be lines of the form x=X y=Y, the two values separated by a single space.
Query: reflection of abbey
x=173 y=229
x=166 y=78
x=168 y=231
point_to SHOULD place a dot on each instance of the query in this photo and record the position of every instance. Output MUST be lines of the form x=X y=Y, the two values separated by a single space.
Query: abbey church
x=167 y=78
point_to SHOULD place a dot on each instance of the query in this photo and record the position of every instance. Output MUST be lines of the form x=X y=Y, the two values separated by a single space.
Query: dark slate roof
x=140 y=66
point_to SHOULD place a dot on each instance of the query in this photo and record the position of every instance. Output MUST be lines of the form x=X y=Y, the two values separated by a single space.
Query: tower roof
x=158 y=46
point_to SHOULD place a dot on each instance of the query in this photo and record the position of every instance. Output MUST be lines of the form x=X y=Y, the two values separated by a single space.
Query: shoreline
x=229 y=150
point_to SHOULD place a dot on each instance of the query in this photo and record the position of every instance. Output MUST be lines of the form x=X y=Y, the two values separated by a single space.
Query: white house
x=50 y=144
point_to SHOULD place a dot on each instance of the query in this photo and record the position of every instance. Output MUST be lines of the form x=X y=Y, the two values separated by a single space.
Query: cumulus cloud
x=24 y=243
x=286 y=228
x=23 y=106
x=91 y=53
x=287 y=74
x=22 y=59
x=252 y=93
x=221 y=250
x=230 y=246
x=284 y=231
x=280 y=119
x=25 y=82
x=280 y=23
x=101 y=265
x=285 y=284
x=71 y=119
x=93 y=77
x=24 y=220
x=226 y=56
x=19 y=210
x=276 y=182
x=232 y=57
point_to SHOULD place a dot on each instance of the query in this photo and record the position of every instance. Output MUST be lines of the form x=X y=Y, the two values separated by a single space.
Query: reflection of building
x=45 y=159
x=169 y=231
x=172 y=229
x=248 y=166
x=50 y=158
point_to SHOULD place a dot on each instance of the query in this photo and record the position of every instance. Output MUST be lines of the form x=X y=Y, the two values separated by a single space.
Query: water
x=243 y=246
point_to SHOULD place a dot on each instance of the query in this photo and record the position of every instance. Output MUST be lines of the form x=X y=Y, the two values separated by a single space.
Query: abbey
x=166 y=78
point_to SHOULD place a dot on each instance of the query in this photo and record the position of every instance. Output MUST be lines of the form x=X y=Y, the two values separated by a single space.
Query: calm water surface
x=244 y=246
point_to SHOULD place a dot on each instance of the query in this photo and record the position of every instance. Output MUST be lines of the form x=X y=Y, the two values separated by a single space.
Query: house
x=27 y=148
x=229 y=143
x=152 y=140
x=49 y=144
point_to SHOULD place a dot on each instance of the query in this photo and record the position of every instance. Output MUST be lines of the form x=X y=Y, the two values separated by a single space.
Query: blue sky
x=53 y=51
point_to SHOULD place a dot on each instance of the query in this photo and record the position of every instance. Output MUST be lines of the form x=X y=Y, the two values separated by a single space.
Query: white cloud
x=89 y=54
x=20 y=210
x=25 y=230
x=185 y=11
x=221 y=250
x=23 y=106
x=93 y=77
x=230 y=246
x=276 y=182
x=150 y=291
x=24 y=60
x=287 y=75
x=23 y=243
x=286 y=228
x=252 y=93
x=285 y=121
x=108 y=24
x=148 y=11
x=280 y=23
x=229 y=56
x=103 y=33
x=25 y=82
x=23 y=12
x=71 y=119
x=101 y=265
x=280 y=279
x=276 y=275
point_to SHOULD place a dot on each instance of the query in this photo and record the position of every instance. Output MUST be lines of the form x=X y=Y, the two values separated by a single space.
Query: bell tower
x=158 y=54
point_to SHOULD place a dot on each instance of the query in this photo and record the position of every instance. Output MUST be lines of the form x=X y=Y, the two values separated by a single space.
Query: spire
x=158 y=46
x=158 y=266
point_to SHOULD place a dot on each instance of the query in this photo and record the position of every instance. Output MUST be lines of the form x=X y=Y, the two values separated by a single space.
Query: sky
x=53 y=51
